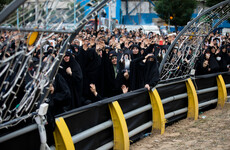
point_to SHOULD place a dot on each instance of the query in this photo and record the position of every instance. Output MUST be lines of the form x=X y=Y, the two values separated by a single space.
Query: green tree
x=3 y=3
x=211 y=3
x=178 y=12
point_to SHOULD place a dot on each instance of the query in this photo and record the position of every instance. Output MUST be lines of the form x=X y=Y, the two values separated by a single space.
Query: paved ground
x=210 y=132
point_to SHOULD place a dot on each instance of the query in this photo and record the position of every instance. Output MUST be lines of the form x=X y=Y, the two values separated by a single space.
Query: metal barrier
x=125 y=122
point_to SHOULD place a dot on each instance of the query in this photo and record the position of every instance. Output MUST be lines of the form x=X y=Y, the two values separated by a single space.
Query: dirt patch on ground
x=210 y=132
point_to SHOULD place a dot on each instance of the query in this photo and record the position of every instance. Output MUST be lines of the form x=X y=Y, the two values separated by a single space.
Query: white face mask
x=207 y=55
x=218 y=58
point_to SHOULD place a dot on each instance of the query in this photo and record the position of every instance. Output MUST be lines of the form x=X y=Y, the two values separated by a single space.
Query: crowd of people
x=100 y=64
x=103 y=64
x=215 y=56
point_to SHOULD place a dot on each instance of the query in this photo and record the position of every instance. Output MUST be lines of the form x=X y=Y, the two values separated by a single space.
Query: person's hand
x=51 y=89
x=217 y=51
x=69 y=71
x=98 y=46
x=93 y=89
x=126 y=74
x=146 y=57
x=147 y=86
x=186 y=60
x=124 y=89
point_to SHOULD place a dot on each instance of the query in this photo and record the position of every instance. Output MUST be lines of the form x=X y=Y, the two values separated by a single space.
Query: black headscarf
x=151 y=71
x=74 y=81
x=136 y=70
x=135 y=56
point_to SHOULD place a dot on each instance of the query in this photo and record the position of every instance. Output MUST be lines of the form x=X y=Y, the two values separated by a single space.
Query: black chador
x=113 y=77
x=136 y=69
x=151 y=76
x=71 y=72
x=92 y=73
x=61 y=97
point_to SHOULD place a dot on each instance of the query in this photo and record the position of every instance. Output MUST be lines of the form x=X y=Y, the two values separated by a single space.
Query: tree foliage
x=3 y=3
x=211 y=3
x=179 y=12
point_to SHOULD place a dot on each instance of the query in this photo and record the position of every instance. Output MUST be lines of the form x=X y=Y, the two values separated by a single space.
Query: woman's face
x=135 y=50
x=114 y=60
x=66 y=58
x=213 y=50
x=224 y=50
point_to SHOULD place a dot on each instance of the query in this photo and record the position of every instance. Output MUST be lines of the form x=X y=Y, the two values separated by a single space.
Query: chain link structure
x=182 y=54
x=29 y=25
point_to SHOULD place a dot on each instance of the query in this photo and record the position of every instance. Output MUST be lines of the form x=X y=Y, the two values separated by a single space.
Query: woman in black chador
x=151 y=73
x=136 y=69
x=71 y=72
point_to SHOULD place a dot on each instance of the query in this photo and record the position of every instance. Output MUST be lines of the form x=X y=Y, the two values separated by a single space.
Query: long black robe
x=113 y=83
x=59 y=103
x=223 y=63
x=75 y=82
x=136 y=76
x=151 y=72
x=213 y=64
x=200 y=70
x=93 y=73
x=61 y=97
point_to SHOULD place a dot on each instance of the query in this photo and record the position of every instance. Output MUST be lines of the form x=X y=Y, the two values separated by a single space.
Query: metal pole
x=10 y=9
x=110 y=16
x=169 y=25
x=100 y=18
x=208 y=103
x=140 y=128
x=18 y=133
x=17 y=18
x=138 y=111
x=89 y=132
x=106 y=146
x=177 y=112
x=211 y=89
x=172 y=98
x=47 y=12
x=75 y=2
x=36 y=13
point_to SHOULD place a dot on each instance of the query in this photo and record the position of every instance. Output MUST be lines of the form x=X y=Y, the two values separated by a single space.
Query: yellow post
x=62 y=136
x=157 y=112
x=32 y=37
x=120 y=130
x=222 y=91
x=193 y=107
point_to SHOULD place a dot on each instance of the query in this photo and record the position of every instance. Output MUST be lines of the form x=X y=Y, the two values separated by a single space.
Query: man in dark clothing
x=71 y=71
